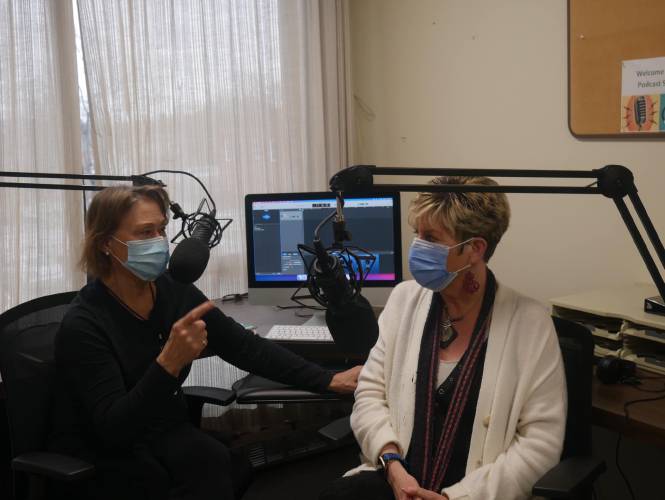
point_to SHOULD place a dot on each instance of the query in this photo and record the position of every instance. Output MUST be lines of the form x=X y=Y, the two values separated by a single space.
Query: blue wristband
x=386 y=458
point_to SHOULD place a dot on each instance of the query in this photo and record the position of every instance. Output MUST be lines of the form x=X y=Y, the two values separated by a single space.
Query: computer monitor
x=277 y=223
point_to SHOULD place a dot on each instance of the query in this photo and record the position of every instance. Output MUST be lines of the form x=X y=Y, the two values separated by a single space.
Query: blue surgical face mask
x=146 y=259
x=428 y=262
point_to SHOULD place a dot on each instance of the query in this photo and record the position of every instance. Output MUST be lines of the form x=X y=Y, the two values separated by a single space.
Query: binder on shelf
x=643 y=332
x=646 y=353
x=619 y=325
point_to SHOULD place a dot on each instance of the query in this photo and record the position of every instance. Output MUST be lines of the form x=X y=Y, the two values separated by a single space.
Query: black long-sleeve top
x=110 y=388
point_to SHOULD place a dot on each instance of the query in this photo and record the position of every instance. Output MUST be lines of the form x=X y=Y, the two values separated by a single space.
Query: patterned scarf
x=429 y=460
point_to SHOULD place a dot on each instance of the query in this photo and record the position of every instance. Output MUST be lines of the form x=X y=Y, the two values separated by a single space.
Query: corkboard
x=601 y=34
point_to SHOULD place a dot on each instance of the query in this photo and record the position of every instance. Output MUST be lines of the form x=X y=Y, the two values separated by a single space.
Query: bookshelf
x=618 y=323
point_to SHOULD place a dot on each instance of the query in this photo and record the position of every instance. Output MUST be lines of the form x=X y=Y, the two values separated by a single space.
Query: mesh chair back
x=576 y=345
x=27 y=332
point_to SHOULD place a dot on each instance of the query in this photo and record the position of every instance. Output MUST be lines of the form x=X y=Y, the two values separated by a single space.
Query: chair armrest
x=253 y=389
x=53 y=465
x=568 y=477
x=211 y=395
x=337 y=430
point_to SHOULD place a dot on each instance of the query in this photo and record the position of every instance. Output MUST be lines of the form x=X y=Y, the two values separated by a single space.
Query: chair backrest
x=27 y=334
x=576 y=345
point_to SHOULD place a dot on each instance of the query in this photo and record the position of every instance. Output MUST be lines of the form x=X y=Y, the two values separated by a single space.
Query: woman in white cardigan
x=464 y=394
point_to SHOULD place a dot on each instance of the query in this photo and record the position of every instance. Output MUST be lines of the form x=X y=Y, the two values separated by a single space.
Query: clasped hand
x=405 y=486
x=418 y=493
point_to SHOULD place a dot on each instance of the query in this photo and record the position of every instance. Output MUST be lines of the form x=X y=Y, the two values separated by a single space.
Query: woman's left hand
x=423 y=494
x=345 y=382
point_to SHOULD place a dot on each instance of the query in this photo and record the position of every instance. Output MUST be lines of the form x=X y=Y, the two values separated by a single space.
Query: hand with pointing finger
x=187 y=339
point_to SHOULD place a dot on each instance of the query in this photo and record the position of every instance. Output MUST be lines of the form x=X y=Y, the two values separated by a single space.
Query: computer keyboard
x=303 y=333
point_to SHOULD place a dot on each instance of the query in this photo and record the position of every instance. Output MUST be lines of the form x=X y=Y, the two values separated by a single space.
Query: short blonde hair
x=465 y=215
x=103 y=217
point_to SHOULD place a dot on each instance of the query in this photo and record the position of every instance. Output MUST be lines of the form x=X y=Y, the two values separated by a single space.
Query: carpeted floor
x=304 y=479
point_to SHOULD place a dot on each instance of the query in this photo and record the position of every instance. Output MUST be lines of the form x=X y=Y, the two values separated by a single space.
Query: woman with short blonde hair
x=463 y=396
x=470 y=214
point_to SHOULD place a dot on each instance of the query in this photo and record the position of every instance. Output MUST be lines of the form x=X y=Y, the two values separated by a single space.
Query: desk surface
x=626 y=302
x=647 y=419
x=262 y=317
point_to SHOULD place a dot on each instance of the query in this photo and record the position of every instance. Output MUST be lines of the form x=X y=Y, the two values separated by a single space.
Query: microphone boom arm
x=612 y=181
x=137 y=180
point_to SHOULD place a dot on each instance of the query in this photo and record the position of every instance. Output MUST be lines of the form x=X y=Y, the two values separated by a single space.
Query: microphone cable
x=188 y=174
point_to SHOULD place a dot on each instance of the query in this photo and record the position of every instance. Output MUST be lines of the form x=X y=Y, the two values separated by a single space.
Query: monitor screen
x=277 y=223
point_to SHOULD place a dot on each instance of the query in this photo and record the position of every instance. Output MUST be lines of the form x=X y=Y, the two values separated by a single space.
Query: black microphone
x=349 y=316
x=335 y=283
x=330 y=278
x=190 y=257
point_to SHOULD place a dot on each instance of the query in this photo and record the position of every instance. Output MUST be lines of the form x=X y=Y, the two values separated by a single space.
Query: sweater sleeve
x=538 y=438
x=252 y=353
x=370 y=419
x=89 y=367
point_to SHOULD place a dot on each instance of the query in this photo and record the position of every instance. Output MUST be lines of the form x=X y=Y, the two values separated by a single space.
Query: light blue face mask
x=428 y=262
x=146 y=259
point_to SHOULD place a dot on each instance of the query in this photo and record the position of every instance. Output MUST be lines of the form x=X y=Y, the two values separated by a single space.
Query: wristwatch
x=386 y=458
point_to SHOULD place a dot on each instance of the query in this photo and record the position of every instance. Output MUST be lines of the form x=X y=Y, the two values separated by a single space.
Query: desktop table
x=647 y=419
x=262 y=318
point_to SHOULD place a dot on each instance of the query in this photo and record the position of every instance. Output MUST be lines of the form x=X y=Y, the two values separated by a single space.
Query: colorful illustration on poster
x=641 y=113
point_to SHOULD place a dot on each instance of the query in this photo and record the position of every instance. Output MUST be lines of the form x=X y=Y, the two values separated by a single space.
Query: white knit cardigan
x=520 y=418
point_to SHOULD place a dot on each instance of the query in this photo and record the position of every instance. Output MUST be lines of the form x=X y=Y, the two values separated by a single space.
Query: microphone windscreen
x=354 y=327
x=189 y=260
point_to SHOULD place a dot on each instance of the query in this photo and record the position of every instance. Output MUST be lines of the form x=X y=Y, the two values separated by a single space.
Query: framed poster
x=609 y=41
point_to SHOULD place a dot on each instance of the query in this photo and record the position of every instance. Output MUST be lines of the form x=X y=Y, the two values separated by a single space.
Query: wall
x=483 y=83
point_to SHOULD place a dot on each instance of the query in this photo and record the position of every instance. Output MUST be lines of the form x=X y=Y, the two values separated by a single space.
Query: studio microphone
x=329 y=277
x=201 y=232
x=334 y=280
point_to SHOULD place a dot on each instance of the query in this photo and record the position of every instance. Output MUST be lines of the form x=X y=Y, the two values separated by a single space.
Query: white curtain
x=244 y=94
x=231 y=91
x=336 y=70
x=40 y=231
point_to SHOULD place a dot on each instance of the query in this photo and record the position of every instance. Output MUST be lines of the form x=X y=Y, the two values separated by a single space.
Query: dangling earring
x=470 y=284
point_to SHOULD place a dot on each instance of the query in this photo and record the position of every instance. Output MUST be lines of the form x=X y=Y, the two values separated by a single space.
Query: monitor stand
x=318 y=319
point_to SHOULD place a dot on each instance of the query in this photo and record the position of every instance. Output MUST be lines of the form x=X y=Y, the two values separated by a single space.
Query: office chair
x=573 y=477
x=27 y=334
